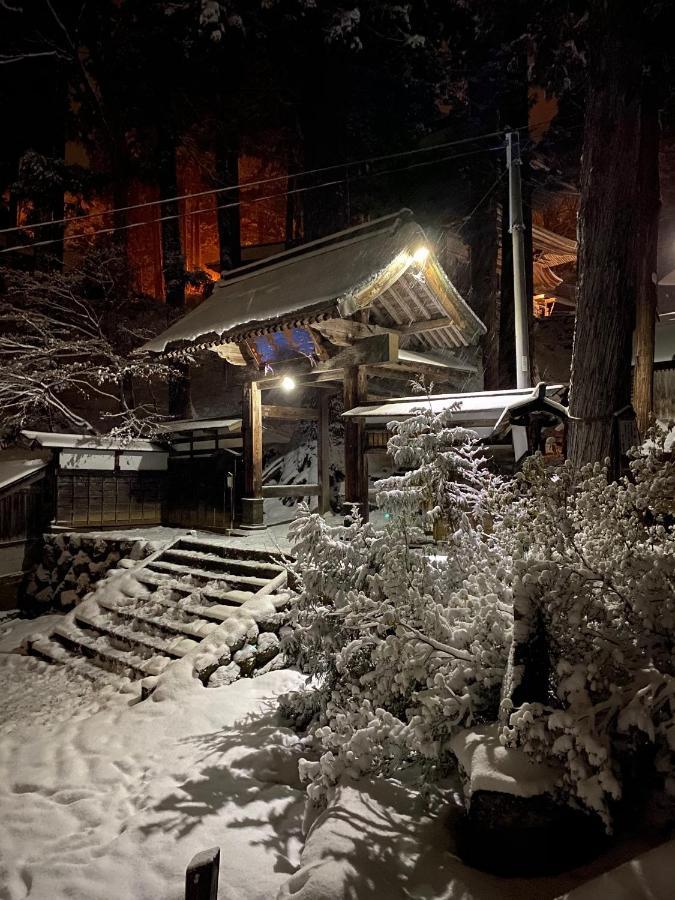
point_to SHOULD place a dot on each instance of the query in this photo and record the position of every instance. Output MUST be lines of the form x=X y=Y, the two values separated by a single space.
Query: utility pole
x=517 y=230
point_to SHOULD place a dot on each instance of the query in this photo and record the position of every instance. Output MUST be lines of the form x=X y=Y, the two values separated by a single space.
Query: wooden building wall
x=87 y=499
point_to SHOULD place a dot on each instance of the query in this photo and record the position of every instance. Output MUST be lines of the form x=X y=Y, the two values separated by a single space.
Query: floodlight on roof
x=287 y=383
x=420 y=255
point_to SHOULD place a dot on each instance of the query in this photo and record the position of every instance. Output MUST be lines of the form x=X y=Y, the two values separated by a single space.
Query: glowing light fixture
x=420 y=255
x=287 y=383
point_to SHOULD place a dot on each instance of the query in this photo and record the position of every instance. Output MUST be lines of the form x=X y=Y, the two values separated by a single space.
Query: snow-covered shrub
x=405 y=646
x=596 y=571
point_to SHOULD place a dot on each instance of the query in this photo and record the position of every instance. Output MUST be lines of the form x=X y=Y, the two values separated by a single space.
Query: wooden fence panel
x=95 y=499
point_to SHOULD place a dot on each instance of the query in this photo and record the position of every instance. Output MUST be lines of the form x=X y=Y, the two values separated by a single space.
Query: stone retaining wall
x=69 y=567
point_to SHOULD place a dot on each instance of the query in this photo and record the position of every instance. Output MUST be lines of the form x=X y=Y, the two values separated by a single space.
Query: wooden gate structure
x=351 y=313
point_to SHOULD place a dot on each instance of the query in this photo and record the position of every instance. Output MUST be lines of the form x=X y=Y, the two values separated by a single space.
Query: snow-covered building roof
x=52 y=439
x=177 y=426
x=372 y=266
x=486 y=411
x=17 y=464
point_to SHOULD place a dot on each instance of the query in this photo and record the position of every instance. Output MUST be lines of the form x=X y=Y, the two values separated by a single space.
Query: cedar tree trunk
x=173 y=264
x=645 y=312
x=608 y=244
x=228 y=216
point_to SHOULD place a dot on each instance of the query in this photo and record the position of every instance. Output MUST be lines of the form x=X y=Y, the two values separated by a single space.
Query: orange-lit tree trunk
x=173 y=263
x=228 y=214
x=608 y=229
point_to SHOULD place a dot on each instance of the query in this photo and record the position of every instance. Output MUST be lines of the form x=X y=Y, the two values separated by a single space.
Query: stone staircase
x=140 y=620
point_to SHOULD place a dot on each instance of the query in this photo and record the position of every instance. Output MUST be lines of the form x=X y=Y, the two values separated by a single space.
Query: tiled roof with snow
x=322 y=276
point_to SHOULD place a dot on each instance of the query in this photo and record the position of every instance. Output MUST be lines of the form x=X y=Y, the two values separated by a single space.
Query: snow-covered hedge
x=551 y=608
x=406 y=646
x=594 y=583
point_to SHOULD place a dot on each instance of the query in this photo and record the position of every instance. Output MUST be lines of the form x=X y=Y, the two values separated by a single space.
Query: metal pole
x=517 y=230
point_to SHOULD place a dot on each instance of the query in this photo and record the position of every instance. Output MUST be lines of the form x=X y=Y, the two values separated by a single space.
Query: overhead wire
x=210 y=209
x=259 y=182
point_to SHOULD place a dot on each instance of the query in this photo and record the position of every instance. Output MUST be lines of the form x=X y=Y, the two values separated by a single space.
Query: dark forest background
x=119 y=103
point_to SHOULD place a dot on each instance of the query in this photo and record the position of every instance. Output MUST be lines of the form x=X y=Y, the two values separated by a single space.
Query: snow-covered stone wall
x=70 y=565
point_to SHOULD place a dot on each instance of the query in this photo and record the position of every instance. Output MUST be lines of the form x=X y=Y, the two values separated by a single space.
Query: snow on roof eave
x=88 y=442
x=446 y=360
x=517 y=394
x=16 y=471
x=186 y=425
x=179 y=336
x=451 y=301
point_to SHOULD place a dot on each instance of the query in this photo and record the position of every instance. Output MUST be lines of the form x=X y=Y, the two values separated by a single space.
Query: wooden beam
x=356 y=461
x=343 y=332
x=294 y=413
x=302 y=379
x=323 y=455
x=379 y=349
x=411 y=368
x=291 y=490
x=429 y=325
x=375 y=350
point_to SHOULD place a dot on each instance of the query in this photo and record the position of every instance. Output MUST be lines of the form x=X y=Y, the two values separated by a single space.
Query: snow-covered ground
x=36 y=693
x=115 y=805
x=104 y=797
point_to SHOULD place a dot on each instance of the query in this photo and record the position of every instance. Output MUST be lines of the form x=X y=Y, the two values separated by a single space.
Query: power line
x=482 y=200
x=262 y=181
x=211 y=209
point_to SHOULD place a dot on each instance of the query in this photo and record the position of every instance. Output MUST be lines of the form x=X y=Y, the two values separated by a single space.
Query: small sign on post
x=201 y=877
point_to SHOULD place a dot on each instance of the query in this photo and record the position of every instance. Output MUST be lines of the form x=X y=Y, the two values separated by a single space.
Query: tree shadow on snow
x=251 y=765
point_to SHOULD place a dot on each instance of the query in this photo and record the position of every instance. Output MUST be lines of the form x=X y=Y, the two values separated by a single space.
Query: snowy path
x=114 y=806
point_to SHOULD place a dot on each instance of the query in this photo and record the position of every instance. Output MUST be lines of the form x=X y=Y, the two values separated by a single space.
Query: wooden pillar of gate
x=323 y=454
x=356 y=459
x=251 y=429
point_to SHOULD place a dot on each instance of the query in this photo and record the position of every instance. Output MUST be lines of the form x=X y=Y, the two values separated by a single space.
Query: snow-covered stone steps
x=194 y=591
x=156 y=580
x=216 y=612
x=227 y=550
x=54 y=652
x=132 y=637
x=218 y=563
x=251 y=581
x=182 y=622
x=136 y=663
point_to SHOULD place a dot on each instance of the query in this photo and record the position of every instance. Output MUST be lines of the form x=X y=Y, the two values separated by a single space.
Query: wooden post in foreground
x=201 y=876
x=251 y=427
x=356 y=461
x=323 y=455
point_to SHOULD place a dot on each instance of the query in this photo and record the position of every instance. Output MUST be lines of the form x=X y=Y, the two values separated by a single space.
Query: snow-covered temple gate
x=356 y=311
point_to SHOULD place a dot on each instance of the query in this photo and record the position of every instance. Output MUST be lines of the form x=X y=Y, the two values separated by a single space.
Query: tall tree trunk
x=646 y=298
x=228 y=216
x=483 y=229
x=608 y=244
x=483 y=243
x=173 y=263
